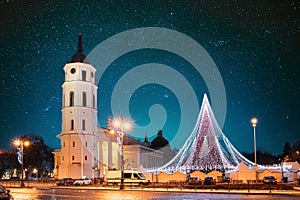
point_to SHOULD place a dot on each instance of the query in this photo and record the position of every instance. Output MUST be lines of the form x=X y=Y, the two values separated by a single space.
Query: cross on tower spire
x=79 y=56
x=80 y=49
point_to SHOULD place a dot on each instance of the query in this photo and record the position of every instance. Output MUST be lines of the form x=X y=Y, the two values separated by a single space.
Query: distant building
x=89 y=150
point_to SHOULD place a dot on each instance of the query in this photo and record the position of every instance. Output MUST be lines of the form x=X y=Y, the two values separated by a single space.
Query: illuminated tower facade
x=79 y=118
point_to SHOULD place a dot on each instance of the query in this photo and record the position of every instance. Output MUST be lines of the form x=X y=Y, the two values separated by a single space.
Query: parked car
x=4 y=194
x=65 y=181
x=194 y=180
x=209 y=181
x=269 y=180
x=82 y=181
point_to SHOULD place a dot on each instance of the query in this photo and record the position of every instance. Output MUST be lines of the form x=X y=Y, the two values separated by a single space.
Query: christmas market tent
x=242 y=174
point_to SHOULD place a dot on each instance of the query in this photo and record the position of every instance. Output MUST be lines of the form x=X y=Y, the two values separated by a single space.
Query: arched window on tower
x=84 y=99
x=83 y=124
x=71 y=98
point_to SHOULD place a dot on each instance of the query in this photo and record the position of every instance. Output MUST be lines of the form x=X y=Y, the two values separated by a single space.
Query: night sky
x=254 y=45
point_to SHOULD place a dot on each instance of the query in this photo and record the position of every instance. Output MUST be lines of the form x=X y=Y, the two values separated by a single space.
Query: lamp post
x=21 y=144
x=254 y=122
x=281 y=168
x=120 y=125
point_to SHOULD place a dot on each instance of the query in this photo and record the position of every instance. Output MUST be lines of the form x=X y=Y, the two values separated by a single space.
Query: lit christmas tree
x=205 y=154
x=206 y=149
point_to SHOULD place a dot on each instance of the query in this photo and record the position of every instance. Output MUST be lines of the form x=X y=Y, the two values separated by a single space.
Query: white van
x=130 y=177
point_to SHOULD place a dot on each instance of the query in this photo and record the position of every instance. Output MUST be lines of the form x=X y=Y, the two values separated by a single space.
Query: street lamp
x=254 y=122
x=121 y=125
x=21 y=144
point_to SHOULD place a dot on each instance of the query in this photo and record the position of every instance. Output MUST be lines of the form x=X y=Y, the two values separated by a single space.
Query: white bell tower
x=79 y=118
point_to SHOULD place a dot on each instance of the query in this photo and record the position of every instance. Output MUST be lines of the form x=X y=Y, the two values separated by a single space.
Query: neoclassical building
x=86 y=149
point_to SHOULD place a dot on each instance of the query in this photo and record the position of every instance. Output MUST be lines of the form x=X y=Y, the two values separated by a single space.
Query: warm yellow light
x=127 y=126
x=116 y=123
x=120 y=124
x=26 y=143
x=21 y=143
x=254 y=121
x=34 y=171
x=17 y=142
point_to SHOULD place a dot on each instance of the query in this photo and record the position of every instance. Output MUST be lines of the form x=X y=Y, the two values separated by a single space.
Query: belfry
x=86 y=149
x=79 y=118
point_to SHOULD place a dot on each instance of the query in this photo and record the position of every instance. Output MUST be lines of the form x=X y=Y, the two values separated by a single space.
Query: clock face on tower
x=73 y=70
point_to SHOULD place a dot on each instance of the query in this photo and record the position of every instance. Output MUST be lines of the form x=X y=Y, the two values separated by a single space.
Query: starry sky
x=254 y=44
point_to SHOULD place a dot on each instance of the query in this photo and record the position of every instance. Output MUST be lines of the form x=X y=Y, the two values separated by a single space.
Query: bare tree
x=37 y=155
x=8 y=161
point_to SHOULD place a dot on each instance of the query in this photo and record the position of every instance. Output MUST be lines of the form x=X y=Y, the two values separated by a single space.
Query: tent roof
x=243 y=167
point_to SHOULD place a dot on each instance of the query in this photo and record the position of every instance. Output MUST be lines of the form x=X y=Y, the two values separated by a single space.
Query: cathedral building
x=86 y=149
